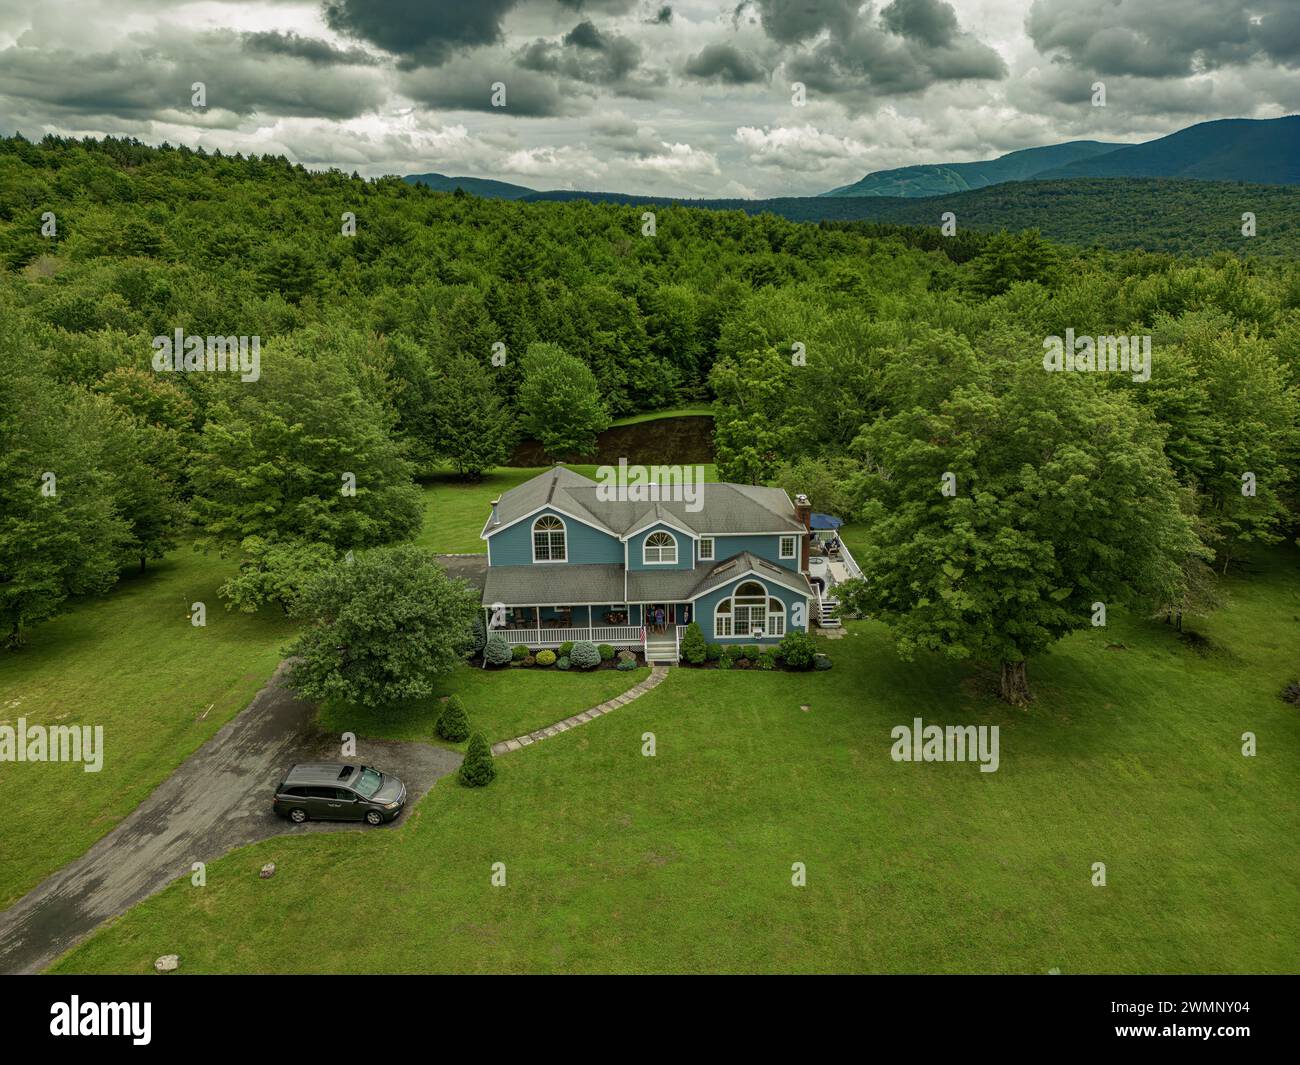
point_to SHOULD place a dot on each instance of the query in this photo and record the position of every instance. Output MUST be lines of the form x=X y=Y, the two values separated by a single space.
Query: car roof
x=320 y=773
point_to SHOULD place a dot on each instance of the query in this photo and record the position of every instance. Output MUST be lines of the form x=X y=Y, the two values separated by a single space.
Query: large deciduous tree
x=559 y=402
x=999 y=516
x=301 y=455
x=381 y=629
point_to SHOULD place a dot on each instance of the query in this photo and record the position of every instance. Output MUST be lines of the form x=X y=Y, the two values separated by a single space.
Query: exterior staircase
x=661 y=648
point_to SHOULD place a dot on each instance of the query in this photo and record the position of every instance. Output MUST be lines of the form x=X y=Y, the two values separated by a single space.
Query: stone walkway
x=656 y=677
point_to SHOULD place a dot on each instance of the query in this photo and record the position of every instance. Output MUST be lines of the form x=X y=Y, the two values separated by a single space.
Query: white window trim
x=645 y=546
x=769 y=615
x=713 y=549
x=532 y=536
x=794 y=546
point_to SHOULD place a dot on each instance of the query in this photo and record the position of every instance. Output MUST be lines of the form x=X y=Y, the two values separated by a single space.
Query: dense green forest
x=1149 y=214
x=445 y=326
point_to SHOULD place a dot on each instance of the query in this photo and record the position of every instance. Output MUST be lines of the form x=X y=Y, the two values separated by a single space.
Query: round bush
x=767 y=660
x=713 y=652
x=606 y=652
x=478 y=768
x=528 y=660
x=625 y=664
x=724 y=662
x=453 y=722
x=694 y=649
x=751 y=652
x=519 y=652
x=821 y=662
x=562 y=662
x=565 y=648
x=798 y=650
x=546 y=658
x=497 y=652
x=584 y=655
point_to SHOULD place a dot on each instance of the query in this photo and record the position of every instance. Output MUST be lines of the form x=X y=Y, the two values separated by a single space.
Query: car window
x=369 y=782
x=344 y=794
x=320 y=793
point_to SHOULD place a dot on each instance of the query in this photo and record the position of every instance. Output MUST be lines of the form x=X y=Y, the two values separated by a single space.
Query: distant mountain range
x=484 y=187
x=1263 y=151
x=938 y=179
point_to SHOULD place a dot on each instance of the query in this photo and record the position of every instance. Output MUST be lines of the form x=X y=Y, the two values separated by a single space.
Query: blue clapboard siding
x=707 y=604
x=586 y=546
x=685 y=550
x=768 y=547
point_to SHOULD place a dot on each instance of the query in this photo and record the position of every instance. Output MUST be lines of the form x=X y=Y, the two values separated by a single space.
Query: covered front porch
x=617 y=624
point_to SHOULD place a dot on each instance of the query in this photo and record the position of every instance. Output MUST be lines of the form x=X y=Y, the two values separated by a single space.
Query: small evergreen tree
x=453 y=722
x=694 y=647
x=478 y=768
x=497 y=652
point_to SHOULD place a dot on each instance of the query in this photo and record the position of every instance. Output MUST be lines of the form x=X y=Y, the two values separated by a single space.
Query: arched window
x=660 y=548
x=748 y=611
x=548 y=539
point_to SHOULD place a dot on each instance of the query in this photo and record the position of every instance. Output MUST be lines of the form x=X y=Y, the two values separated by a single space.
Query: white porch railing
x=615 y=635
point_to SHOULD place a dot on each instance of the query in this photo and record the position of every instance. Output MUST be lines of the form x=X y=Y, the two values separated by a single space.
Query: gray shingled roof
x=731 y=568
x=562 y=584
x=725 y=508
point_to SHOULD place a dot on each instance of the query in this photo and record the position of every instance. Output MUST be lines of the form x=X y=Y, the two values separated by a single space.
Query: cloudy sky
x=676 y=97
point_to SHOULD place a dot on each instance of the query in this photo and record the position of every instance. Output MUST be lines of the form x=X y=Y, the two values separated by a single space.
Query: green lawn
x=131 y=662
x=501 y=704
x=656 y=415
x=682 y=862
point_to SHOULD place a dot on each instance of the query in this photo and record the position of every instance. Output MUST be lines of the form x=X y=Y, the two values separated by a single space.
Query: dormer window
x=660 y=549
x=548 y=539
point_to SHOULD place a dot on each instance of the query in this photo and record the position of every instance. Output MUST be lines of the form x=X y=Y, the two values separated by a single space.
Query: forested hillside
x=1185 y=217
x=446 y=327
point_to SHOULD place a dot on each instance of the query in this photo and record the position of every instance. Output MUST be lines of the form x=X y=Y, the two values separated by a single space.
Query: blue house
x=567 y=562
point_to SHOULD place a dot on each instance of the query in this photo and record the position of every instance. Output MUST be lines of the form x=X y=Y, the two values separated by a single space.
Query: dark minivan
x=324 y=791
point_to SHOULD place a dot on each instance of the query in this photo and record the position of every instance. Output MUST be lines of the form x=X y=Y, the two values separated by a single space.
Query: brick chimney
x=803 y=511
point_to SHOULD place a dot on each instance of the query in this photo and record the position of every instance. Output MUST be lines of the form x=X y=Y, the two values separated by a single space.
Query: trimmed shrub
x=562 y=662
x=750 y=651
x=565 y=648
x=519 y=652
x=584 y=655
x=625 y=664
x=798 y=650
x=478 y=768
x=606 y=652
x=821 y=662
x=713 y=652
x=724 y=662
x=546 y=658
x=497 y=652
x=528 y=660
x=767 y=660
x=453 y=722
x=694 y=649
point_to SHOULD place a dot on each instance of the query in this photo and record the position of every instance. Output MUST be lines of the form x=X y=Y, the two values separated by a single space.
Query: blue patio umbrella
x=825 y=521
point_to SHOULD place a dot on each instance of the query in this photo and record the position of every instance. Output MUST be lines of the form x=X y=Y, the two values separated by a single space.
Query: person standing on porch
x=659 y=618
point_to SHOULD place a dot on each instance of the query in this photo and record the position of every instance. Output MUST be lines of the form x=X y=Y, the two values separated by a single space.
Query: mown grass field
x=681 y=862
x=131 y=662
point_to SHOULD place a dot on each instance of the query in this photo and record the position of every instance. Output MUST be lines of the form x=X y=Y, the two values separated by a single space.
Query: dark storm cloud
x=1165 y=38
x=852 y=56
x=931 y=22
x=420 y=31
x=312 y=49
x=724 y=63
x=585 y=54
x=465 y=84
x=150 y=77
x=662 y=17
